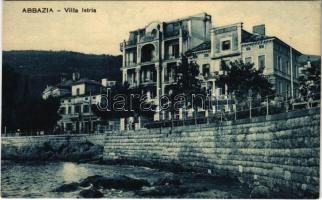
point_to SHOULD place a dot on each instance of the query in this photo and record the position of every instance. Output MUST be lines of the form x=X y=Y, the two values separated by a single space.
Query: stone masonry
x=280 y=152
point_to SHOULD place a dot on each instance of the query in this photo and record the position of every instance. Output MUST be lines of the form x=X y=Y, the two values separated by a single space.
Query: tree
x=38 y=114
x=132 y=99
x=186 y=87
x=9 y=93
x=310 y=81
x=241 y=78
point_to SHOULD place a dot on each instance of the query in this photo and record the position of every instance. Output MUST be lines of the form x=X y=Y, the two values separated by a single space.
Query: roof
x=65 y=84
x=305 y=58
x=250 y=37
x=255 y=38
x=86 y=81
x=201 y=47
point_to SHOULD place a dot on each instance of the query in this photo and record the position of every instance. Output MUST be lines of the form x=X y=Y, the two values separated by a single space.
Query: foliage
x=187 y=83
x=310 y=81
x=242 y=77
x=10 y=83
x=45 y=67
x=20 y=110
x=133 y=102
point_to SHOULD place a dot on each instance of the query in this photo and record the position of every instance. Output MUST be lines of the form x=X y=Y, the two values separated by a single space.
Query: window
x=224 y=65
x=62 y=111
x=77 y=109
x=176 y=50
x=77 y=91
x=69 y=110
x=85 y=109
x=261 y=62
x=261 y=46
x=279 y=63
x=279 y=87
x=205 y=70
x=173 y=51
x=206 y=55
x=247 y=48
x=225 y=45
x=248 y=60
x=288 y=69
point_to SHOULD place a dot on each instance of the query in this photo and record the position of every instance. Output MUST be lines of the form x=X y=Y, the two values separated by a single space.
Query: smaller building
x=76 y=108
x=278 y=60
x=54 y=91
x=61 y=89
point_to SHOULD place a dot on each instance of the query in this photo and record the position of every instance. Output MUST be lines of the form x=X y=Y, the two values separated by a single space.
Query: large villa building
x=151 y=53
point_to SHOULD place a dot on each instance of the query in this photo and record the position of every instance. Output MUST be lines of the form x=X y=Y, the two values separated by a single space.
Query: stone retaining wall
x=280 y=152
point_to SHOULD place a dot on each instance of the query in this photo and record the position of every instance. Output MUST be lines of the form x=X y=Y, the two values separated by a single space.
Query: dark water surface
x=36 y=180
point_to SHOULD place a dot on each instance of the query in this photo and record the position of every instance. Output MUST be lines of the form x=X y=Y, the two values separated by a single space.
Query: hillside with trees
x=25 y=74
x=45 y=67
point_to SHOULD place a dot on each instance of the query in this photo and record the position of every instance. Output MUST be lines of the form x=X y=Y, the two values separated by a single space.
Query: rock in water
x=260 y=192
x=118 y=182
x=168 y=180
x=168 y=190
x=91 y=193
x=70 y=187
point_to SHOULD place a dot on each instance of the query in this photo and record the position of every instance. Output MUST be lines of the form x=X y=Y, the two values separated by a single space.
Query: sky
x=296 y=23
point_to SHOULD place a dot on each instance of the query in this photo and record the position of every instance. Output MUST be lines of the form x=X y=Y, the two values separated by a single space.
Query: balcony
x=70 y=116
x=173 y=33
x=171 y=57
x=148 y=82
x=130 y=64
x=169 y=79
x=148 y=38
x=211 y=75
x=148 y=62
x=130 y=43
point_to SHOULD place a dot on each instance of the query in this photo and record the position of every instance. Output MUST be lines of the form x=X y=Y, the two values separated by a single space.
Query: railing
x=170 y=57
x=268 y=105
x=148 y=38
x=128 y=43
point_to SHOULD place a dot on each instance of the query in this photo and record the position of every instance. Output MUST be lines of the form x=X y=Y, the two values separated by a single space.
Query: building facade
x=230 y=43
x=151 y=54
x=76 y=109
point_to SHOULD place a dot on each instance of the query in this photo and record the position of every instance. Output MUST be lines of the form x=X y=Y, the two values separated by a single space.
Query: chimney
x=63 y=77
x=76 y=76
x=104 y=82
x=259 y=29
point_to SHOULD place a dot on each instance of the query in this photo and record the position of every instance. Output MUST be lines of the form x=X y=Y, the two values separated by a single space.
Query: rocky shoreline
x=49 y=151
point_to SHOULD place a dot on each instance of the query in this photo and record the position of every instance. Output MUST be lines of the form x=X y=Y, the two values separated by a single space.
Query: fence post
x=183 y=116
x=250 y=92
x=250 y=107
x=267 y=106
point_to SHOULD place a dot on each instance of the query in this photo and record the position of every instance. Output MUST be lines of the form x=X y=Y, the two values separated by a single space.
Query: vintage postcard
x=161 y=99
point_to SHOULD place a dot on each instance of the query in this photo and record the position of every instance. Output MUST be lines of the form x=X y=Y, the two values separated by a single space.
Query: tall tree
x=310 y=81
x=9 y=97
x=131 y=100
x=241 y=77
x=186 y=86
